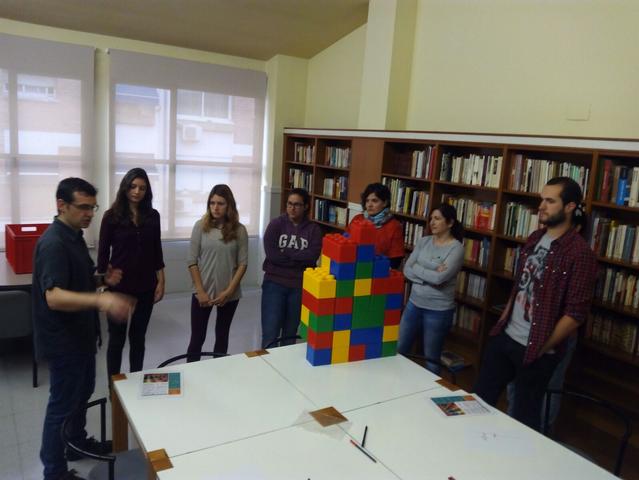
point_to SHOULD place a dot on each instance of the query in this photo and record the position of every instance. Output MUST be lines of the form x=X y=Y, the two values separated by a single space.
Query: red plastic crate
x=20 y=241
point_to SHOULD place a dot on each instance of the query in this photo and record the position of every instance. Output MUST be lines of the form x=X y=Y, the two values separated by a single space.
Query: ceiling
x=256 y=29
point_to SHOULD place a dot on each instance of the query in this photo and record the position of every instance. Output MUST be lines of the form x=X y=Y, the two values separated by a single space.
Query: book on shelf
x=335 y=187
x=471 y=213
x=511 y=259
x=520 y=220
x=467 y=319
x=304 y=153
x=617 y=286
x=339 y=157
x=471 y=285
x=412 y=233
x=617 y=184
x=298 y=178
x=422 y=162
x=452 y=360
x=477 y=251
x=405 y=198
x=326 y=211
x=613 y=240
x=613 y=332
x=474 y=169
x=530 y=174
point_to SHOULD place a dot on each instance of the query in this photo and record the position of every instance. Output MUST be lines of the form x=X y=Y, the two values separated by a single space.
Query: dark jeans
x=281 y=309
x=137 y=333
x=200 y=321
x=503 y=363
x=72 y=380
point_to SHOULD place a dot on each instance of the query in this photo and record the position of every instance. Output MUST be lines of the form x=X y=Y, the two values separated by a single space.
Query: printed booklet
x=162 y=384
x=459 y=405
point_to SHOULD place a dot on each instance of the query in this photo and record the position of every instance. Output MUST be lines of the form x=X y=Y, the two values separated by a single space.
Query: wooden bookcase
x=599 y=367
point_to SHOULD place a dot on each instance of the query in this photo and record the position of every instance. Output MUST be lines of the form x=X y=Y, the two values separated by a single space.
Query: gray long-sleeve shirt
x=432 y=289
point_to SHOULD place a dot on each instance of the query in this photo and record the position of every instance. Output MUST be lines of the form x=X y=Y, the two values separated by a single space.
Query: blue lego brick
x=361 y=336
x=342 y=270
x=373 y=350
x=381 y=267
x=394 y=301
x=342 y=321
x=365 y=253
x=318 y=357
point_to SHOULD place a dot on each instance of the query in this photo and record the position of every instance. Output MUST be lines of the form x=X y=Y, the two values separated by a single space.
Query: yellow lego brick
x=339 y=355
x=319 y=283
x=341 y=339
x=391 y=333
x=362 y=287
x=304 y=315
x=325 y=263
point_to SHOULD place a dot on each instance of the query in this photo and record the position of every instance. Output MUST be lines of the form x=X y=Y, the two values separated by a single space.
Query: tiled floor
x=22 y=407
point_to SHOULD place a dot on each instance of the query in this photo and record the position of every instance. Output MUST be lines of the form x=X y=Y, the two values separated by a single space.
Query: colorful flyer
x=162 y=384
x=459 y=405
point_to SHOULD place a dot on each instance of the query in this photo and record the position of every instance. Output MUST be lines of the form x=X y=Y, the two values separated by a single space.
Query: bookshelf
x=494 y=181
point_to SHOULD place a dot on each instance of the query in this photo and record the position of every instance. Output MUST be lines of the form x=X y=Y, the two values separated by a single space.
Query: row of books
x=326 y=211
x=618 y=287
x=412 y=233
x=472 y=213
x=471 y=285
x=335 y=187
x=520 y=220
x=304 y=153
x=467 y=319
x=612 y=332
x=405 y=198
x=338 y=157
x=298 y=178
x=511 y=259
x=422 y=162
x=530 y=174
x=477 y=251
x=473 y=169
x=613 y=240
x=618 y=184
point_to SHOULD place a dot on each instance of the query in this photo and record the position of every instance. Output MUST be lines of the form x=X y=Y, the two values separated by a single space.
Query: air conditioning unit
x=191 y=133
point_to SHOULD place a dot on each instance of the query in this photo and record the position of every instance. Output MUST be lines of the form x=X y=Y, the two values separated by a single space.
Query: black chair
x=277 y=341
x=131 y=464
x=17 y=322
x=421 y=359
x=615 y=412
x=186 y=355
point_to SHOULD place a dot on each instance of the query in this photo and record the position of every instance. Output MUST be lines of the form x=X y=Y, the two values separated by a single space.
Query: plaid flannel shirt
x=566 y=288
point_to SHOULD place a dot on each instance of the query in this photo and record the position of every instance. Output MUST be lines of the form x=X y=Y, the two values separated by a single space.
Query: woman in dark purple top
x=130 y=240
x=291 y=243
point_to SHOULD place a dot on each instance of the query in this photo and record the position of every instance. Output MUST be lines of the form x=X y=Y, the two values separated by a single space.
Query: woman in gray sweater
x=432 y=268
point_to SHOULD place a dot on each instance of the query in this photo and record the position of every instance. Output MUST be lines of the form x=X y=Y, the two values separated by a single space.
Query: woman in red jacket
x=390 y=237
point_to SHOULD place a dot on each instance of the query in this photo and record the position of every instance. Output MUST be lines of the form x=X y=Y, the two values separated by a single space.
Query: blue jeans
x=281 y=308
x=433 y=324
x=556 y=382
x=72 y=380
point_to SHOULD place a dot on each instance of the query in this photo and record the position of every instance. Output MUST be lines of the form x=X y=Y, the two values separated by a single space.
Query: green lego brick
x=320 y=323
x=389 y=349
x=303 y=331
x=378 y=303
x=345 y=288
x=364 y=270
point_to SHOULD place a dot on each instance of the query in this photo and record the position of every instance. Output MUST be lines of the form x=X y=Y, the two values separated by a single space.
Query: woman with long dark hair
x=432 y=268
x=130 y=241
x=291 y=243
x=389 y=240
x=217 y=262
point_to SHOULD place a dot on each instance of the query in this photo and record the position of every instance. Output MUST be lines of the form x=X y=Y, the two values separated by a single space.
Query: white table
x=346 y=386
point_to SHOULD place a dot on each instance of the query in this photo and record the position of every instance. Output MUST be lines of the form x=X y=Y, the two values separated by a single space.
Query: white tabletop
x=224 y=399
x=296 y=453
x=415 y=441
x=346 y=386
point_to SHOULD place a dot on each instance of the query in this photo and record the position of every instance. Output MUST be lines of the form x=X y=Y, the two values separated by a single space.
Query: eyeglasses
x=294 y=204
x=85 y=207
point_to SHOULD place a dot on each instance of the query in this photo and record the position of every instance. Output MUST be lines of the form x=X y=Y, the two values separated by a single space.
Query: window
x=201 y=127
x=45 y=110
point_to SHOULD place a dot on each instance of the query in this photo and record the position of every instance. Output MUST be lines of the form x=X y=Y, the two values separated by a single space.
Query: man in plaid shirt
x=551 y=297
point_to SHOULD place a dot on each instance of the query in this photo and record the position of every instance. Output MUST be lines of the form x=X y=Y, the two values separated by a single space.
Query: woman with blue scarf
x=390 y=238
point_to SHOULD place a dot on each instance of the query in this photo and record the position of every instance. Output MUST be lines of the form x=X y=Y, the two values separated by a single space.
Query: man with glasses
x=65 y=304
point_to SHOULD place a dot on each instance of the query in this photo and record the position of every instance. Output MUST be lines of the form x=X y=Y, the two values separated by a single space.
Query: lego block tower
x=351 y=303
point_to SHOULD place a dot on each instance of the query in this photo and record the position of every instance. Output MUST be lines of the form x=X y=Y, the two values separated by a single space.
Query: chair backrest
x=70 y=445
x=16 y=314
x=191 y=355
x=276 y=342
x=614 y=411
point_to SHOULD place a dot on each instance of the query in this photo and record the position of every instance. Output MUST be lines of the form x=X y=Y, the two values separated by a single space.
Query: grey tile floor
x=22 y=407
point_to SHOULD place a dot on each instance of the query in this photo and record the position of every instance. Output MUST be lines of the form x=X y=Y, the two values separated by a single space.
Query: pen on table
x=364 y=439
x=363 y=451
